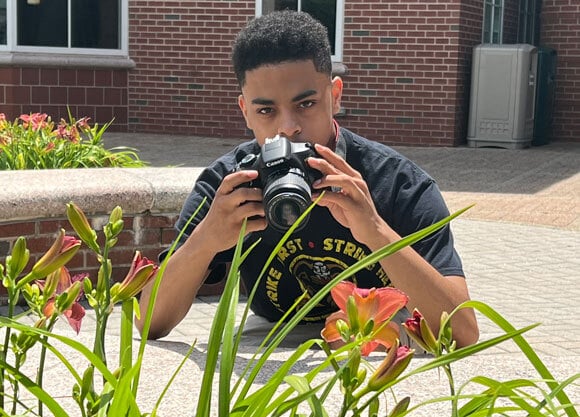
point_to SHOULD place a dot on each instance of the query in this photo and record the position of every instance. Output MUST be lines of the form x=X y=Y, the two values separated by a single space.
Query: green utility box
x=545 y=96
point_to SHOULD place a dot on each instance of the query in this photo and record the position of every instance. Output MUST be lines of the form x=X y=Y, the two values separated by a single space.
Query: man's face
x=291 y=99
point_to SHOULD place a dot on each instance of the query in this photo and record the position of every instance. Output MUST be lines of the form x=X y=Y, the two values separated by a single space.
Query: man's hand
x=231 y=205
x=352 y=206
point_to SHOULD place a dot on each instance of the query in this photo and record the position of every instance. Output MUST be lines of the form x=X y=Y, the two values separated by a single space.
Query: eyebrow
x=267 y=102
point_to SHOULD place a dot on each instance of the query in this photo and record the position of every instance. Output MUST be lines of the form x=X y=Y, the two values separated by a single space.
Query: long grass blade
x=35 y=390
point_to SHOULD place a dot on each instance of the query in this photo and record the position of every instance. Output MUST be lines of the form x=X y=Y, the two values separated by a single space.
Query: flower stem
x=39 y=376
x=99 y=345
x=15 y=387
x=454 y=410
x=103 y=310
x=12 y=298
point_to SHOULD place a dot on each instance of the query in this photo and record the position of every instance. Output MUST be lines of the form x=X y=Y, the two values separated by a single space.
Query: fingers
x=236 y=180
x=334 y=162
x=233 y=203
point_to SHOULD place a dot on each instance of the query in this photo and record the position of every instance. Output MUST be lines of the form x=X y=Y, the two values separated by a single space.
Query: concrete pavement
x=520 y=245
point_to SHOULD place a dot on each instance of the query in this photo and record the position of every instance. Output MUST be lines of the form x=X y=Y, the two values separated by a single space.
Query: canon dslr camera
x=285 y=179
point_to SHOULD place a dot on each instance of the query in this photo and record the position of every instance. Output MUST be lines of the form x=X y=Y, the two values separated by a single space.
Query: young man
x=282 y=63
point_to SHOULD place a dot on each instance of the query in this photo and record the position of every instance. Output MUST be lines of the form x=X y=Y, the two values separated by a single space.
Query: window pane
x=487 y=24
x=42 y=24
x=2 y=22
x=325 y=11
x=95 y=24
x=271 y=5
x=496 y=24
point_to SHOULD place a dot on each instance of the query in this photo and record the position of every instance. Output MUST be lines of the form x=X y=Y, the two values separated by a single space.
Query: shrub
x=32 y=141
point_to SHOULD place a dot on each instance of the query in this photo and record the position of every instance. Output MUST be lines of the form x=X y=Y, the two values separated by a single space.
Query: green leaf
x=34 y=389
x=73 y=344
x=216 y=332
x=302 y=386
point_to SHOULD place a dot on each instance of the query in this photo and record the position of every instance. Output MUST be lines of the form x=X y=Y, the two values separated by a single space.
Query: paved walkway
x=520 y=246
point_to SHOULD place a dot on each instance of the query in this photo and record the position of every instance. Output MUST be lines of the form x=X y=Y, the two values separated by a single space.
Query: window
x=329 y=12
x=67 y=26
x=529 y=22
x=2 y=22
x=492 y=21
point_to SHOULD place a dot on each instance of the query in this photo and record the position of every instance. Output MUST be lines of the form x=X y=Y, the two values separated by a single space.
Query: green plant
x=357 y=327
x=58 y=296
x=34 y=142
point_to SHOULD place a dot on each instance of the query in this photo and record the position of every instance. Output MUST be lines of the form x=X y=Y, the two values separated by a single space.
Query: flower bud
x=396 y=361
x=17 y=261
x=401 y=407
x=51 y=283
x=62 y=251
x=141 y=272
x=352 y=313
x=79 y=222
x=69 y=297
x=418 y=329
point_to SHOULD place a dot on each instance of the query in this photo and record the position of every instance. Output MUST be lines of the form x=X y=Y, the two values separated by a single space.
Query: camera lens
x=285 y=199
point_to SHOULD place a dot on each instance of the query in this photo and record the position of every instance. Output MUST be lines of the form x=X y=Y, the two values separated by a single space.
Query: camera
x=285 y=179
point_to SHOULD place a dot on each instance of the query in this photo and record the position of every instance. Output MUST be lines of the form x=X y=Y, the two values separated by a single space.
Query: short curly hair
x=281 y=36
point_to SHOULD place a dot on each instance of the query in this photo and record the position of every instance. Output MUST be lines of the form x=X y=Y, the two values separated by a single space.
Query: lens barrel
x=286 y=198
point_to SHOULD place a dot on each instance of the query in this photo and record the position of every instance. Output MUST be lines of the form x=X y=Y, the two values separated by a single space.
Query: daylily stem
x=40 y=374
x=454 y=410
x=15 y=387
x=102 y=311
x=12 y=299
x=99 y=345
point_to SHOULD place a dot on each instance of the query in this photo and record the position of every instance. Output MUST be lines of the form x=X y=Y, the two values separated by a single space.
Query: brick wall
x=407 y=62
x=183 y=80
x=100 y=94
x=406 y=66
x=148 y=233
x=561 y=31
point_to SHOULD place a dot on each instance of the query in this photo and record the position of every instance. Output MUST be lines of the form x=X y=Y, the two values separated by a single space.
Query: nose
x=289 y=125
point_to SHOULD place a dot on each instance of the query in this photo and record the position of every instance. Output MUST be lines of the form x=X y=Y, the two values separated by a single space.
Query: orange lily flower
x=69 y=307
x=375 y=304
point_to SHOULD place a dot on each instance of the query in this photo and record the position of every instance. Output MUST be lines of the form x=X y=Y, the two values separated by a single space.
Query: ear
x=244 y=109
x=336 y=94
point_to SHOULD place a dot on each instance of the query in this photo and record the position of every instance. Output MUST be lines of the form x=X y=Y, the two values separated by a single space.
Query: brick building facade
x=406 y=66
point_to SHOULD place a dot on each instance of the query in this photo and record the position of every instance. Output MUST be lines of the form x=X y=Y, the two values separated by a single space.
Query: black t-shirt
x=405 y=196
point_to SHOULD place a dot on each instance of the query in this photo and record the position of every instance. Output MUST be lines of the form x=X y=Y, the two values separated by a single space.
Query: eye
x=306 y=104
x=265 y=110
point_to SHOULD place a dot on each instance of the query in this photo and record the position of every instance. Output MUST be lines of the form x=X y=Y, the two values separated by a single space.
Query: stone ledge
x=35 y=194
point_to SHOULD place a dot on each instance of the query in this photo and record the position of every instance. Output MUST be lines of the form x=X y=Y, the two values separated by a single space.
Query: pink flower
x=418 y=329
x=61 y=251
x=141 y=272
x=64 y=131
x=68 y=306
x=372 y=307
x=396 y=361
x=84 y=123
x=36 y=120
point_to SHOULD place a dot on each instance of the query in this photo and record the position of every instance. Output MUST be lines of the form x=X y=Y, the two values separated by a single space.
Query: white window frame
x=339 y=27
x=491 y=23
x=12 y=36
